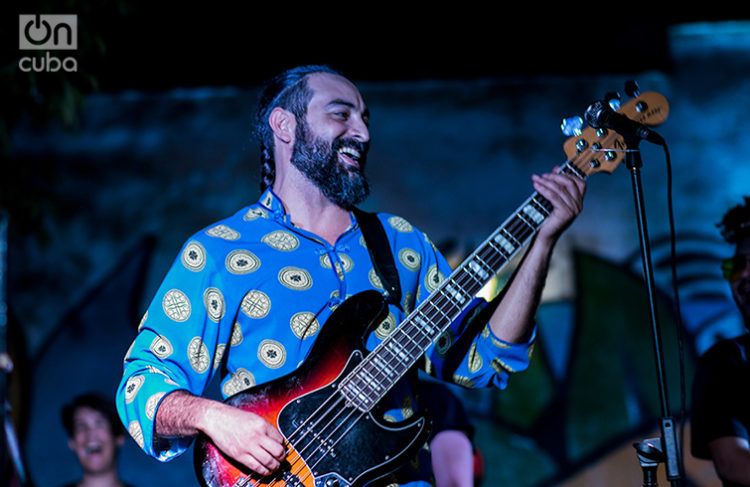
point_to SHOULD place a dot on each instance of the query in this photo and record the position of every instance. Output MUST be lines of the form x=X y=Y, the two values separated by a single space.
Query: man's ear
x=283 y=123
x=119 y=440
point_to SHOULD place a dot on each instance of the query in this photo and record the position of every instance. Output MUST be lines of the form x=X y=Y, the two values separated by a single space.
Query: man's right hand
x=240 y=435
x=245 y=437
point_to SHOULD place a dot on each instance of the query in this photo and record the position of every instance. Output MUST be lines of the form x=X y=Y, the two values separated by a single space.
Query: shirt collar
x=272 y=202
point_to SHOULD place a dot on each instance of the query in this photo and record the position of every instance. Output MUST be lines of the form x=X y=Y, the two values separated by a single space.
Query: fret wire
x=490 y=270
x=416 y=326
x=408 y=337
x=371 y=378
x=499 y=250
x=444 y=300
x=523 y=218
x=512 y=237
x=470 y=273
x=427 y=319
x=395 y=355
x=540 y=207
x=374 y=370
x=441 y=312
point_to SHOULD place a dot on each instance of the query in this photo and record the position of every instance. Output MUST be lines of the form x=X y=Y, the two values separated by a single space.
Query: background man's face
x=93 y=441
x=738 y=275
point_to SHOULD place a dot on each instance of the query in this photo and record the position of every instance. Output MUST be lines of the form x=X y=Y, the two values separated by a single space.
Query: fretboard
x=390 y=360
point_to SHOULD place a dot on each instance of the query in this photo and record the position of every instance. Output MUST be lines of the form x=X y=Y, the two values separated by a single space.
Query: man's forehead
x=85 y=412
x=328 y=88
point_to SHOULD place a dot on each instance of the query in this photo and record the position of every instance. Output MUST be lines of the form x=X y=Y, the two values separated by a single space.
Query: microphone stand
x=648 y=457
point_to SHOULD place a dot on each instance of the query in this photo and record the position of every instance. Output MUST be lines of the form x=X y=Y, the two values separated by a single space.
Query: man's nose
x=359 y=130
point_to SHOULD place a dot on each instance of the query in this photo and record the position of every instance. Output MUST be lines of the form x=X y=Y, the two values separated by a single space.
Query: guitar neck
x=390 y=360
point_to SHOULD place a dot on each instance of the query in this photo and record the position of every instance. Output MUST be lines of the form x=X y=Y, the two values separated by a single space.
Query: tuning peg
x=613 y=99
x=632 y=89
x=572 y=126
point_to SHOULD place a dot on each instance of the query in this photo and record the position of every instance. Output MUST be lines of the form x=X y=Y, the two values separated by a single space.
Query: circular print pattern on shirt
x=256 y=304
x=400 y=224
x=499 y=366
x=281 y=240
x=386 y=327
x=132 y=386
x=143 y=321
x=161 y=347
x=151 y=404
x=304 y=324
x=219 y=355
x=295 y=278
x=375 y=279
x=236 y=335
x=241 y=261
x=410 y=258
x=463 y=381
x=134 y=428
x=214 y=302
x=347 y=262
x=444 y=342
x=194 y=256
x=474 y=359
x=254 y=214
x=325 y=261
x=223 y=232
x=176 y=305
x=240 y=380
x=272 y=353
x=433 y=278
x=198 y=355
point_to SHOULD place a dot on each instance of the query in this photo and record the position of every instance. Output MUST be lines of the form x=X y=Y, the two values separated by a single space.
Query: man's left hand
x=566 y=195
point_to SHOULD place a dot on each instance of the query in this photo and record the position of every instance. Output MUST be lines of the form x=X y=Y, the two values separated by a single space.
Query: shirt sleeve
x=468 y=353
x=180 y=343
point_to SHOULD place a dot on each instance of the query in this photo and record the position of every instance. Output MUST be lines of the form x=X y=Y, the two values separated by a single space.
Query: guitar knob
x=632 y=89
x=572 y=126
x=613 y=99
x=332 y=483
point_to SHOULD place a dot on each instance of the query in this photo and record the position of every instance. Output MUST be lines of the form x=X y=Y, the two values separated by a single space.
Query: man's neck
x=101 y=479
x=311 y=210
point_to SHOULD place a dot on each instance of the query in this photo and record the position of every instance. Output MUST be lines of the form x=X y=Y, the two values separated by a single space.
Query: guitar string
x=520 y=224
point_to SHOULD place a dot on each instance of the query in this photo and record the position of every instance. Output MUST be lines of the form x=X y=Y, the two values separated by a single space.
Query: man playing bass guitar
x=249 y=296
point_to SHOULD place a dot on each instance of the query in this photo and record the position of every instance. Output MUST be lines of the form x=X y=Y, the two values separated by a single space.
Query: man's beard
x=318 y=160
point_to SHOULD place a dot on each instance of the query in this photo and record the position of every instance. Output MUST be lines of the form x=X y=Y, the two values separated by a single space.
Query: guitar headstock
x=602 y=150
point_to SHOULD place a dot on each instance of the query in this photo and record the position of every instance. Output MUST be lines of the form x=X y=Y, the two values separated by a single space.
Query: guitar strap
x=380 y=254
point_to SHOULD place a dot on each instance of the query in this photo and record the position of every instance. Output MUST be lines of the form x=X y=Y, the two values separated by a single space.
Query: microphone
x=600 y=115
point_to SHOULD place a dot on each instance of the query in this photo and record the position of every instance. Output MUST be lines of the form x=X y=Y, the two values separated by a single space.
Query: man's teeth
x=348 y=151
x=93 y=449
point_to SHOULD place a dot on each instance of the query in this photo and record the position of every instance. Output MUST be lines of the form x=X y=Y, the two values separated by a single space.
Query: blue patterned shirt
x=247 y=296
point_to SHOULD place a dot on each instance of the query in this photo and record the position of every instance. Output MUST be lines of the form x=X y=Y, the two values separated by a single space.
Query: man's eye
x=342 y=115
